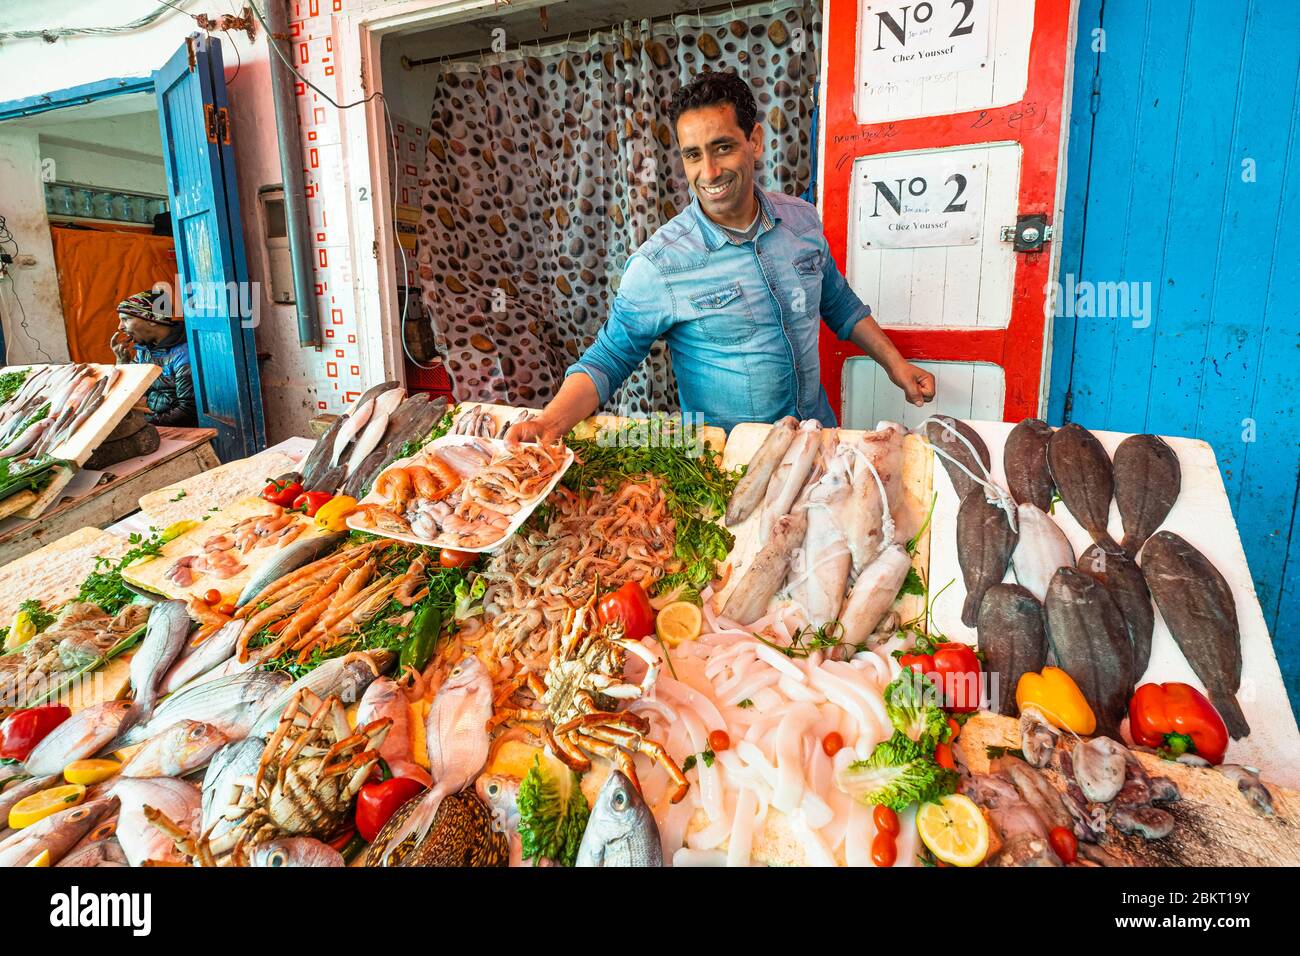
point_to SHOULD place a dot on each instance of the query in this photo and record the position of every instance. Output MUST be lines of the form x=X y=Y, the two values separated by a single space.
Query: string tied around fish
x=994 y=493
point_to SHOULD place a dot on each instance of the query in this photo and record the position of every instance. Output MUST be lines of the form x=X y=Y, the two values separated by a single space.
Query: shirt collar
x=715 y=236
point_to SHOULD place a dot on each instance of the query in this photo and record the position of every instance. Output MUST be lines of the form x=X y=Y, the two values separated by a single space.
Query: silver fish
x=621 y=830
x=457 y=739
x=231 y=703
x=383 y=698
x=181 y=748
x=352 y=426
x=141 y=839
x=220 y=787
x=1041 y=549
x=752 y=487
x=296 y=851
x=368 y=440
x=169 y=625
x=301 y=552
x=344 y=677
x=761 y=580
x=790 y=476
x=215 y=650
x=874 y=593
x=57 y=833
x=30 y=436
x=84 y=734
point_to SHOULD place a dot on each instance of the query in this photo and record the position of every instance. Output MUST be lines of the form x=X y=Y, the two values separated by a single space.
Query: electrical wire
x=50 y=34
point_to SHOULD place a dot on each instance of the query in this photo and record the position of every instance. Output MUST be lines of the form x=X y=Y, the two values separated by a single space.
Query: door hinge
x=1028 y=234
x=223 y=125
x=210 y=121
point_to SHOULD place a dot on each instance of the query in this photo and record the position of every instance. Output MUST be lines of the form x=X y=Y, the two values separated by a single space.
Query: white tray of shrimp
x=461 y=491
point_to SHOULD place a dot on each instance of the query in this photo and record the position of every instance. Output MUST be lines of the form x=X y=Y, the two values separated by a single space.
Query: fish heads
x=180 y=749
x=295 y=852
x=82 y=735
x=500 y=793
x=621 y=830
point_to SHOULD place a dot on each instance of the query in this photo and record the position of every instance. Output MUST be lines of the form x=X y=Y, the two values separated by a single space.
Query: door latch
x=1028 y=234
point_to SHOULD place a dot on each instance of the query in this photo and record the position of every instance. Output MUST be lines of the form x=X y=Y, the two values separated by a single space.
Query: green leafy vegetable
x=41 y=619
x=105 y=587
x=467 y=596
x=689 y=763
x=912 y=703
x=552 y=813
x=179 y=495
x=745 y=704
x=708 y=757
x=898 y=773
x=10 y=382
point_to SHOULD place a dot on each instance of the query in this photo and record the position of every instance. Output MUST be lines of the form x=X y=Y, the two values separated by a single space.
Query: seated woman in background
x=147 y=334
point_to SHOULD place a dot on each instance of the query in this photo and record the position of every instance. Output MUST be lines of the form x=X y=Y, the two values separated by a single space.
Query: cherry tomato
x=886 y=819
x=631 y=605
x=832 y=744
x=943 y=756
x=883 y=850
x=719 y=741
x=1064 y=843
x=456 y=559
x=955 y=728
x=213 y=596
x=227 y=609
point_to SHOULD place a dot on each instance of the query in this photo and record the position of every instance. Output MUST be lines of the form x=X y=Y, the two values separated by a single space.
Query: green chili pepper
x=418 y=649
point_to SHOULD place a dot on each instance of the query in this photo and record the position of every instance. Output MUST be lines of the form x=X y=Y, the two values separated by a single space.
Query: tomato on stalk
x=282 y=493
x=22 y=730
x=377 y=802
x=631 y=605
x=1177 y=719
x=449 y=558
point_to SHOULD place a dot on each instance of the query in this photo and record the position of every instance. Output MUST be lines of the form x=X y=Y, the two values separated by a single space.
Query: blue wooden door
x=1184 y=196
x=218 y=301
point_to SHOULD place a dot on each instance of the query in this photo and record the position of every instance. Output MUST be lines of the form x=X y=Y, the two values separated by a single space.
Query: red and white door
x=940 y=153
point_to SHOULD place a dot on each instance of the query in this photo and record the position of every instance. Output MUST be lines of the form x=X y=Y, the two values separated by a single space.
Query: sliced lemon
x=954 y=829
x=38 y=806
x=90 y=771
x=678 y=622
x=40 y=859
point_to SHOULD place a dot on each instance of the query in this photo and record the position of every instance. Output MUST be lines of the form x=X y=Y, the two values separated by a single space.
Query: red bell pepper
x=282 y=493
x=631 y=605
x=309 y=502
x=377 y=802
x=22 y=730
x=1177 y=719
x=955 y=670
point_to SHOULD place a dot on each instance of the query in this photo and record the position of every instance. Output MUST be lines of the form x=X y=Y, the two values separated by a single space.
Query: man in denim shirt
x=738 y=284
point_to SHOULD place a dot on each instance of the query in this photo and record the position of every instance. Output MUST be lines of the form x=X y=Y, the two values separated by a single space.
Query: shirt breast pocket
x=806 y=298
x=723 y=315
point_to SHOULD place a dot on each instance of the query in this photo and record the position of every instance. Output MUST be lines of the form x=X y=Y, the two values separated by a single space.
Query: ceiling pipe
x=297 y=223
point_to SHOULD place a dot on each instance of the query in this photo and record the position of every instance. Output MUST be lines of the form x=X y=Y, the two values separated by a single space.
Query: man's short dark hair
x=710 y=89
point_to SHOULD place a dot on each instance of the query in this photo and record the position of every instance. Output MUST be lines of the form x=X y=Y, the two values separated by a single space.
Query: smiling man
x=737 y=284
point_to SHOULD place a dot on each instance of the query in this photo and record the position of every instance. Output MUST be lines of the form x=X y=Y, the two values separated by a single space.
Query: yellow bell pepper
x=1059 y=699
x=21 y=631
x=332 y=514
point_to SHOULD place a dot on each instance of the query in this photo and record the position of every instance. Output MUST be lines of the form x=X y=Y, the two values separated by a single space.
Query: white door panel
x=962 y=389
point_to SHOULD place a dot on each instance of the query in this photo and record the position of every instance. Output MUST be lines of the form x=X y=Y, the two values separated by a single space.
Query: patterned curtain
x=548 y=166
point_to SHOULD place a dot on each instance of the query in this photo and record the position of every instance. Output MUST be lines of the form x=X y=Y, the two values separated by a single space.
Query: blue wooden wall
x=1184 y=173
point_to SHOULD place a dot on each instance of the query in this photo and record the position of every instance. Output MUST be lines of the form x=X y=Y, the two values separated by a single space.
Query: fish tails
x=417 y=825
x=970 y=609
x=1230 y=711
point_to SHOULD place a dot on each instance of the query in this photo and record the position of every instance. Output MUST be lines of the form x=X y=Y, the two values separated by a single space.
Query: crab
x=309 y=774
x=578 y=698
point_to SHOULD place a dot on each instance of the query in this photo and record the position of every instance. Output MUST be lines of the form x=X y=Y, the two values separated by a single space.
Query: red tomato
x=631 y=605
x=377 y=802
x=943 y=756
x=1064 y=843
x=213 y=596
x=883 y=850
x=886 y=819
x=955 y=728
x=226 y=609
x=957 y=670
x=832 y=744
x=719 y=741
x=456 y=559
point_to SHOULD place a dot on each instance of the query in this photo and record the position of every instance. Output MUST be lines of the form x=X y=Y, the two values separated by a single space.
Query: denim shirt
x=741 y=320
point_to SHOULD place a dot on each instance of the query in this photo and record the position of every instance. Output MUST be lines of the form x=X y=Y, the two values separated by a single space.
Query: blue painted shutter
x=194 y=121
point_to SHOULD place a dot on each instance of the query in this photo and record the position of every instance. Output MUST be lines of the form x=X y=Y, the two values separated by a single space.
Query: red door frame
x=1035 y=122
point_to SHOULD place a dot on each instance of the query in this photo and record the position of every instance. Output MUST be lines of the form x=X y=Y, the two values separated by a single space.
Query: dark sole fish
x=1090 y=640
x=1147 y=481
x=1024 y=459
x=984 y=545
x=1013 y=639
x=943 y=439
x=461 y=835
x=318 y=458
x=1126 y=584
x=1082 y=472
x=1199 y=609
x=413 y=419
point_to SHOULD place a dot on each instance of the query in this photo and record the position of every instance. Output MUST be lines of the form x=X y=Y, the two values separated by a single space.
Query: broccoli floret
x=898 y=773
x=912 y=702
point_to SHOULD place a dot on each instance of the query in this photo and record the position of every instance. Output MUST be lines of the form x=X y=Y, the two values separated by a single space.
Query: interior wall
x=114 y=152
x=22 y=203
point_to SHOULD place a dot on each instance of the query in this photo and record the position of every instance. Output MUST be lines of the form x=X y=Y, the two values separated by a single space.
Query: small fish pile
x=53 y=402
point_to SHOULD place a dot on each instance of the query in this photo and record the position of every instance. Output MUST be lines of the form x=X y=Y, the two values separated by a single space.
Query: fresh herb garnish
x=105 y=587
x=10 y=382
x=688 y=764
x=708 y=757
x=179 y=495
x=745 y=704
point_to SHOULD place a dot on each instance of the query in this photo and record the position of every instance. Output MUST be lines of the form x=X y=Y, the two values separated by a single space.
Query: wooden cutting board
x=53 y=574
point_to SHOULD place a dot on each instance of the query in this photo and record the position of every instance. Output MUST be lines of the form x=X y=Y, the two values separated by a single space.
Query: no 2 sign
x=915 y=201
x=906 y=39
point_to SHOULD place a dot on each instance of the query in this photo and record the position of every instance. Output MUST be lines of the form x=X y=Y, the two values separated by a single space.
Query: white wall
x=22 y=203
x=112 y=152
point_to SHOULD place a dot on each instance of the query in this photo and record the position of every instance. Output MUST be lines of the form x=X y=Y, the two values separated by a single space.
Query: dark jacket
x=171 y=396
